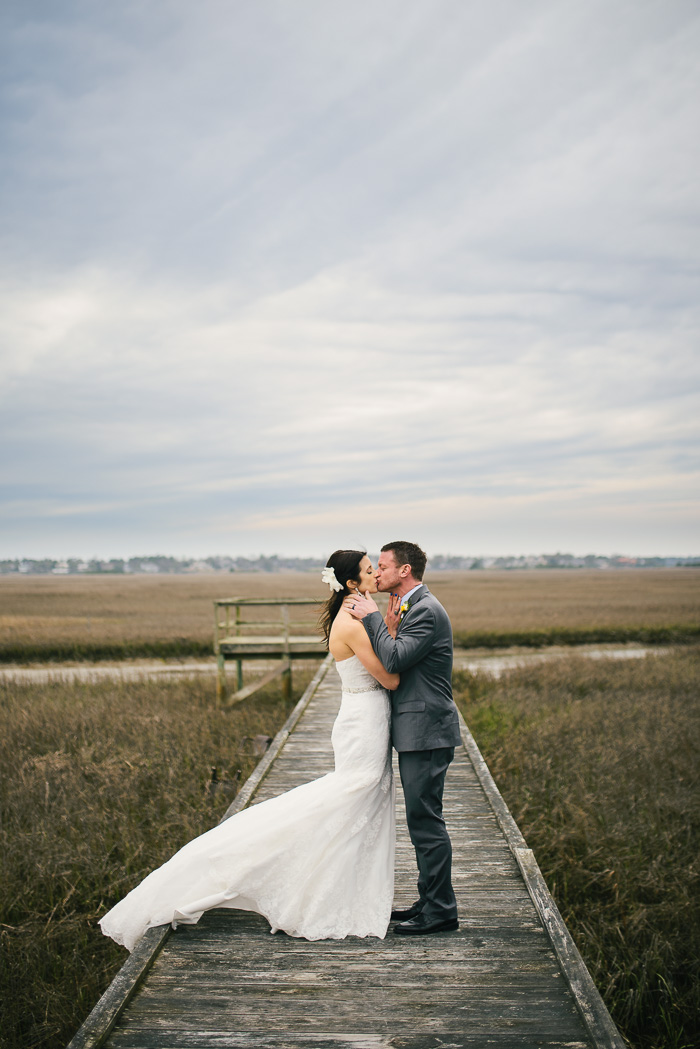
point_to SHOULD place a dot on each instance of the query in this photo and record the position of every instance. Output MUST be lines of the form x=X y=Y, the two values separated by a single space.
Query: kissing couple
x=318 y=860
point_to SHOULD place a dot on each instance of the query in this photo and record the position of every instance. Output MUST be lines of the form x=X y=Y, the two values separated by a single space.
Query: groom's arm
x=412 y=643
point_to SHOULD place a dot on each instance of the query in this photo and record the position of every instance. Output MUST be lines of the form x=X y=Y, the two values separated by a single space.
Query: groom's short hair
x=408 y=554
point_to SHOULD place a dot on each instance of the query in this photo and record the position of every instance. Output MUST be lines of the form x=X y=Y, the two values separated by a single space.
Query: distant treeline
x=160 y=564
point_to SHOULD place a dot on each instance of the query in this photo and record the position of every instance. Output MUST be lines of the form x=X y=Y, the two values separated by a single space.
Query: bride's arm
x=355 y=637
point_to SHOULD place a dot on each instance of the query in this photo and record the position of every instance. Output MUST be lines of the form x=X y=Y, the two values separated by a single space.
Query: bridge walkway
x=511 y=977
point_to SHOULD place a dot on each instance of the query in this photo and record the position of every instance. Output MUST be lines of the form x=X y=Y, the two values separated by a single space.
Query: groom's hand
x=393 y=614
x=359 y=606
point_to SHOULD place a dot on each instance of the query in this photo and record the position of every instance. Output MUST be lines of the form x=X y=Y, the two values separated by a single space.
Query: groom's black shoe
x=423 y=926
x=410 y=912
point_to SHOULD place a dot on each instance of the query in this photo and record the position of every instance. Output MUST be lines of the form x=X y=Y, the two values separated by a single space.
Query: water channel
x=495 y=663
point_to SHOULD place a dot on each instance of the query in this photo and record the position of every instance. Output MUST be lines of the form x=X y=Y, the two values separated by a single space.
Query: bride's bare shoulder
x=344 y=626
x=344 y=620
x=343 y=631
x=344 y=623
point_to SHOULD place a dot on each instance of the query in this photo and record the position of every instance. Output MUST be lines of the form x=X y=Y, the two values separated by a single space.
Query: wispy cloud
x=267 y=271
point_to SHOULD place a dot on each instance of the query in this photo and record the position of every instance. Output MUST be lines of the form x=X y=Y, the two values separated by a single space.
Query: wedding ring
x=353 y=606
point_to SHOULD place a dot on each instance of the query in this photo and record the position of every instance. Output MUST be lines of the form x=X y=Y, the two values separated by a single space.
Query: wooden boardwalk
x=510 y=978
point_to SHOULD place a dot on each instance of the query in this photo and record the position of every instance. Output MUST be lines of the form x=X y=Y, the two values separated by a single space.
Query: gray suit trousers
x=423 y=780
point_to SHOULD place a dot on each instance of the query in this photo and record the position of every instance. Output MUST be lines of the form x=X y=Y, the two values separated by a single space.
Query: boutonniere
x=403 y=610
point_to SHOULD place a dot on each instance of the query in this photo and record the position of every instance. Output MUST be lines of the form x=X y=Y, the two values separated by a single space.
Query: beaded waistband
x=376 y=687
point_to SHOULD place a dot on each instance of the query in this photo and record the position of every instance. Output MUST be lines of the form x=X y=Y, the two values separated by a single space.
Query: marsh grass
x=101 y=783
x=87 y=651
x=122 y=617
x=598 y=763
x=676 y=634
x=134 y=611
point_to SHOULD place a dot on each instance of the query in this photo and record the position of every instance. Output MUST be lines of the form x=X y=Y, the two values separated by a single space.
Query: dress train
x=317 y=861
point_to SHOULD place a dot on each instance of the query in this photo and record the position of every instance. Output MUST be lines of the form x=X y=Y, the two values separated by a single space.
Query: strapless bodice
x=356 y=678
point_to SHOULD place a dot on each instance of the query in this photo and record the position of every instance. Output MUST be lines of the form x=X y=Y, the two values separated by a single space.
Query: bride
x=318 y=861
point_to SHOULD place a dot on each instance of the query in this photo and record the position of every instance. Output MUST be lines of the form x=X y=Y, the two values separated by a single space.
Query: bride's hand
x=393 y=614
x=359 y=606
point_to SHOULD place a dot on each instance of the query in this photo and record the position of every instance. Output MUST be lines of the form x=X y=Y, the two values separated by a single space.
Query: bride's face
x=367 y=581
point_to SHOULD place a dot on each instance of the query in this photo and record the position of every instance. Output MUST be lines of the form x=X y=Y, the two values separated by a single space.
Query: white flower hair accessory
x=328 y=576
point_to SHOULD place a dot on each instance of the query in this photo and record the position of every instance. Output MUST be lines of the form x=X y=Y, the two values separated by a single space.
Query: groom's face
x=388 y=574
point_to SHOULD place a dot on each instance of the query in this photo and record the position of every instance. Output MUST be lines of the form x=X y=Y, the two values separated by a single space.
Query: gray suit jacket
x=423 y=713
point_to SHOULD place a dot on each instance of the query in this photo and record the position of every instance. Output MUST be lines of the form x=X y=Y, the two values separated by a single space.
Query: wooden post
x=287 y=680
x=220 y=661
x=287 y=674
x=220 y=679
x=239 y=662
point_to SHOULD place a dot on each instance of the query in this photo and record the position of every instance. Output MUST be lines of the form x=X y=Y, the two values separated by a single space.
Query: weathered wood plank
x=252 y=784
x=498 y=981
x=595 y=1014
x=120 y=992
x=596 y=1017
x=248 y=690
x=104 y=1016
x=225 y=1039
x=269 y=647
x=266 y=601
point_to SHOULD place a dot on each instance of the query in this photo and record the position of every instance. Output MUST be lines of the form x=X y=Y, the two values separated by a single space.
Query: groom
x=415 y=641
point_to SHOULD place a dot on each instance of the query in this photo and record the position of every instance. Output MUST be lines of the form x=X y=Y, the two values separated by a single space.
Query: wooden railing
x=232 y=640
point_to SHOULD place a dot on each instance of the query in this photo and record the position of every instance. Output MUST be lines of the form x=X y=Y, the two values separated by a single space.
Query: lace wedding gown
x=317 y=862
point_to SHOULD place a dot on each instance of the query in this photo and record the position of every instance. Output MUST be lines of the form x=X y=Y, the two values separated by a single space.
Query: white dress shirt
x=410 y=594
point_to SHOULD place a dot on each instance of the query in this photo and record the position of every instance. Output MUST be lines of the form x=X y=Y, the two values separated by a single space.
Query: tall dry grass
x=47 y=617
x=58 y=617
x=101 y=783
x=598 y=762
x=560 y=599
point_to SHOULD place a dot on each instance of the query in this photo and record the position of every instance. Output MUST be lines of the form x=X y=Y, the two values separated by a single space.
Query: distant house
x=61 y=568
x=200 y=566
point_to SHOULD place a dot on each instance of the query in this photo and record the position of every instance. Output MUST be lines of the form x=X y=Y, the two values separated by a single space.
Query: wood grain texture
x=104 y=1016
x=299 y=646
x=498 y=981
x=244 y=693
x=597 y=1019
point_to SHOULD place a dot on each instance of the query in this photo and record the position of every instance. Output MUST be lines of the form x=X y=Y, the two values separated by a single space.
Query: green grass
x=681 y=633
x=102 y=783
x=189 y=647
x=598 y=763
x=93 y=651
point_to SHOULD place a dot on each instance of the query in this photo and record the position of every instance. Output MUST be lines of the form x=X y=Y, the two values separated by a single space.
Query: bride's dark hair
x=346 y=565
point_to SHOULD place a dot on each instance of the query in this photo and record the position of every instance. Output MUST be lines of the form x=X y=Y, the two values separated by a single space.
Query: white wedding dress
x=317 y=862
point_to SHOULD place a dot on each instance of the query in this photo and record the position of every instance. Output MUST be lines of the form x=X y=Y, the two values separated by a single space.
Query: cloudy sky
x=279 y=276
